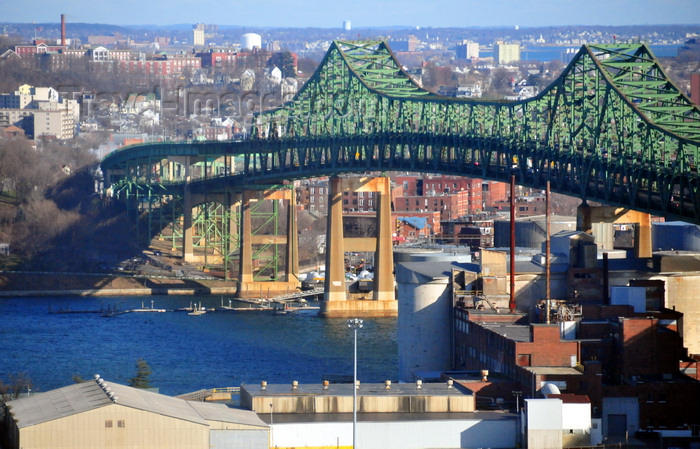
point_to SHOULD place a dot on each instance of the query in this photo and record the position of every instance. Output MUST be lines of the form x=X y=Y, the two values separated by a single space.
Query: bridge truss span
x=611 y=128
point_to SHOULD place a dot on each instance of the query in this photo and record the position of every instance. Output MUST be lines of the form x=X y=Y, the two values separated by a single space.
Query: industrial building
x=97 y=413
x=619 y=330
x=389 y=415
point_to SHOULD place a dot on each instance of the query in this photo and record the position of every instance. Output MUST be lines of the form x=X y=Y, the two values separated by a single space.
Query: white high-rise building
x=506 y=53
x=347 y=25
x=198 y=35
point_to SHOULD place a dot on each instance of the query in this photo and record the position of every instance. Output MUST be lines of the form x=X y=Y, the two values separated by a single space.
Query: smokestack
x=63 y=29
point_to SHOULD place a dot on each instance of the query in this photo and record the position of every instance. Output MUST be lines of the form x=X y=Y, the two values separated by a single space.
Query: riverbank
x=18 y=284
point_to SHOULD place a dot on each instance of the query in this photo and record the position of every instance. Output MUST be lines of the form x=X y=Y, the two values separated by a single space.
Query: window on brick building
x=523 y=360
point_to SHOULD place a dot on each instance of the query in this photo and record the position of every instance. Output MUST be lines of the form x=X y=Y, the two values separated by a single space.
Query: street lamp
x=354 y=324
x=271 y=438
x=517 y=394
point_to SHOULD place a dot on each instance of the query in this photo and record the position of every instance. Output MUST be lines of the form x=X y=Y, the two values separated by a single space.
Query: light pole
x=271 y=438
x=517 y=394
x=354 y=324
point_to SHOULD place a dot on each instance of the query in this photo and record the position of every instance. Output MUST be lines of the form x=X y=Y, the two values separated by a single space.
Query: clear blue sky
x=362 y=13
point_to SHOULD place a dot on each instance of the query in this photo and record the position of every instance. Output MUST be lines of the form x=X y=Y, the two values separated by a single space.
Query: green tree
x=143 y=371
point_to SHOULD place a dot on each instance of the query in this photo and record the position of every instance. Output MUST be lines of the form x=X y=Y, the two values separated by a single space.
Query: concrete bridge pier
x=233 y=206
x=187 y=234
x=337 y=302
x=590 y=217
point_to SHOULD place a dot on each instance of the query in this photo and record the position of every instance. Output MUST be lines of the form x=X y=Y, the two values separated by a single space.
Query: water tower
x=250 y=41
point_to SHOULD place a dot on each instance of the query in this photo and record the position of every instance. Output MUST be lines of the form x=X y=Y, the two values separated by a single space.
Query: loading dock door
x=617 y=425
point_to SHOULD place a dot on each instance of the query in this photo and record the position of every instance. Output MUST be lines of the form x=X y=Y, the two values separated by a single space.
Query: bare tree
x=18 y=383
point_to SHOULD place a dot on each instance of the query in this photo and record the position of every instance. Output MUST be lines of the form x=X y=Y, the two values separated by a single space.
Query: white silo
x=250 y=41
x=425 y=301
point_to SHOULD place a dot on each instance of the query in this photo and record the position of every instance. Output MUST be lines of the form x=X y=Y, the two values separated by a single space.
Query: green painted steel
x=611 y=128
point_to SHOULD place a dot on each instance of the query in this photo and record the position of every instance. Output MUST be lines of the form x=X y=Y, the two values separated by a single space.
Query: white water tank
x=249 y=41
x=425 y=302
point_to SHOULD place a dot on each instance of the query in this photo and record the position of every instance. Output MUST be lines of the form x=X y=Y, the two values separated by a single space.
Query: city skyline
x=362 y=14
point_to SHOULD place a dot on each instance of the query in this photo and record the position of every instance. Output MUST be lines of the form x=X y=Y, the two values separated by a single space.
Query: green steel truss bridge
x=611 y=128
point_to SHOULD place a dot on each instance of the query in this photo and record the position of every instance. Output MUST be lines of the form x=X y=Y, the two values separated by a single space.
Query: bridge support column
x=335 y=249
x=337 y=302
x=292 y=256
x=589 y=216
x=233 y=204
x=384 y=256
x=187 y=246
x=245 y=271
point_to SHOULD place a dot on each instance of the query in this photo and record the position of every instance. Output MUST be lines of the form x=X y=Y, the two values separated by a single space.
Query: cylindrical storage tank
x=249 y=41
x=549 y=388
x=530 y=232
x=675 y=235
x=406 y=254
x=423 y=335
x=441 y=257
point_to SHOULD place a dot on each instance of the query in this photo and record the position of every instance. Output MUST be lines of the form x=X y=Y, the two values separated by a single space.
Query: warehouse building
x=413 y=415
x=99 y=414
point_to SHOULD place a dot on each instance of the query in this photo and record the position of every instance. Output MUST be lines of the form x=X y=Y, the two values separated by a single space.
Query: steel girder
x=611 y=127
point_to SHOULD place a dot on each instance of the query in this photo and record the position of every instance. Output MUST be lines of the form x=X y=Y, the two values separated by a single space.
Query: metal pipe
x=355 y=324
x=511 y=302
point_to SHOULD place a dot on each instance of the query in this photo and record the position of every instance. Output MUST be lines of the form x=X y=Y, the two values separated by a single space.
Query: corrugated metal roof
x=90 y=395
x=155 y=403
x=223 y=413
x=366 y=389
x=66 y=401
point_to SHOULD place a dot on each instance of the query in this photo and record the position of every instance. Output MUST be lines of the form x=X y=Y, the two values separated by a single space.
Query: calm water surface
x=185 y=352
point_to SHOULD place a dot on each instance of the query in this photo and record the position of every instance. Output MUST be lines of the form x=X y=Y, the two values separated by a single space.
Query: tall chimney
x=63 y=29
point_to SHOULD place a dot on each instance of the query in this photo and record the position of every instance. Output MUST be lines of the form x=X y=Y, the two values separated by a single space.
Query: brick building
x=415 y=226
x=616 y=354
x=695 y=87
x=312 y=195
x=38 y=47
x=494 y=192
x=166 y=67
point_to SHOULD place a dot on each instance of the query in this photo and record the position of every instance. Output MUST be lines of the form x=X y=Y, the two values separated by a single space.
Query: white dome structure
x=250 y=41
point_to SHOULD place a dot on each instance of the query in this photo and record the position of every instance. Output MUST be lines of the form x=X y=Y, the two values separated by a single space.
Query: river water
x=185 y=353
